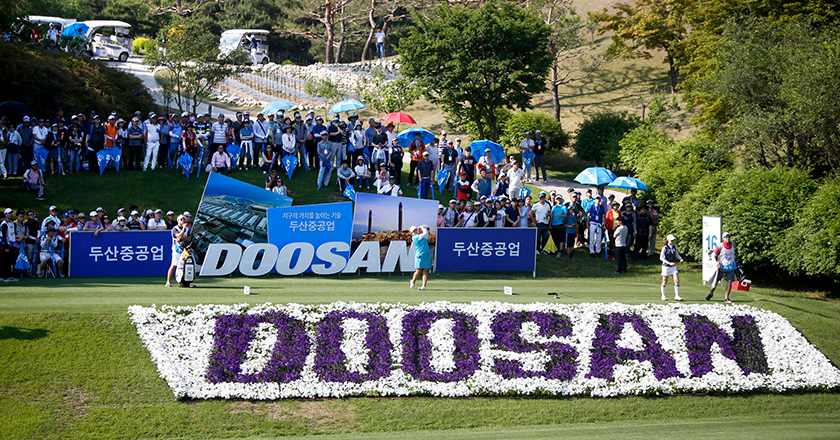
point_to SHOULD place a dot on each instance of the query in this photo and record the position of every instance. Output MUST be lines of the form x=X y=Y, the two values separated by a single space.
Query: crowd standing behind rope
x=485 y=193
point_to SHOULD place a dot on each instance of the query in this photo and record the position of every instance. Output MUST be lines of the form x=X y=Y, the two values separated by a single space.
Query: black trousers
x=640 y=247
x=412 y=172
x=621 y=258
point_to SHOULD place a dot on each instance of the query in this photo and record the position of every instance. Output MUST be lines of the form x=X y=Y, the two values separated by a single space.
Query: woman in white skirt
x=669 y=257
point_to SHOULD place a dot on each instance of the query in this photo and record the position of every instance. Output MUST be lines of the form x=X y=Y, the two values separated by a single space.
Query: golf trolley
x=185 y=272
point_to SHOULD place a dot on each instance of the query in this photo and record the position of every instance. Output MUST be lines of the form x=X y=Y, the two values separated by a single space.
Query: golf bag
x=185 y=272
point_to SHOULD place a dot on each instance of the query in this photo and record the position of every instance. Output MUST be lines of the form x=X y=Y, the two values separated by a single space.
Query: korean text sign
x=486 y=249
x=120 y=254
x=313 y=224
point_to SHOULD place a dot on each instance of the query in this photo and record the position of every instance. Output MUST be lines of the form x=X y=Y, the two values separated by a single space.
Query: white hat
x=443 y=132
x=52 y=207
x=671 y=237
x=412 y=229
x=93 y=214
x=134 y=213
x=185 y=115
x=170 y=213
x=120 y=219
x=120 y=210
x=8 y=210
x=439 y=207
x=187 y=214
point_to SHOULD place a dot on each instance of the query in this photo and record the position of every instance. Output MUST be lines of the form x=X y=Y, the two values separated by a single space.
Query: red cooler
x=743 y=286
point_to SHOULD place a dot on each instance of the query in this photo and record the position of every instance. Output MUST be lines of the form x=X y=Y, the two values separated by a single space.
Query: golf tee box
x=743 y=286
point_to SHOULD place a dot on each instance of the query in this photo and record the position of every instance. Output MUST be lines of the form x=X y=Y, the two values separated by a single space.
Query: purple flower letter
x=234 y=334
x=507 y=329
x=331 y=361
x=606 y=353
x=417 y=349
x=744 y=347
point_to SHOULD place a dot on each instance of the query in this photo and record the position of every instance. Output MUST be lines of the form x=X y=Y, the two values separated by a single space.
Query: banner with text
x=313 y=224
x=120 y=254
x=486 y=249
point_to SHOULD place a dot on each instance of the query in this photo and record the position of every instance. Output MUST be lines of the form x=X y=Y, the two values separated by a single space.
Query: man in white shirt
x=434 y=156
x=52 y=217
x=527 y=144
x=380 y=43
x=219 y=133
x=52 y=33
x=515 y=176
x=390 y=189
x=157 y=223
x=152 y=142
x=540 y=212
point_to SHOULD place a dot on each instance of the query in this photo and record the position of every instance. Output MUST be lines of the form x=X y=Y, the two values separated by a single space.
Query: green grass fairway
x=73 y=366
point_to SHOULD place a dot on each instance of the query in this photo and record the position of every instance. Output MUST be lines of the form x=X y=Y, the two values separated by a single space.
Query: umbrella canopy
x=407 y=136
x=595 y=176
x=496 y=150
x=346 y=106
x=14 y=108
x=276 y=106
x=77 y=29
x=399 y=118
x=628 y=183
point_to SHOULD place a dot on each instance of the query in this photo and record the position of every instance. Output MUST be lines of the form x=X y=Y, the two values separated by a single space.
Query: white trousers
x=596 y=233
x=3 y=171
x=151 y=155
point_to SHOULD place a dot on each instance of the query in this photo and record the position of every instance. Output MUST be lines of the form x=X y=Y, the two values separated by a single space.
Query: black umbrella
x=14 y=108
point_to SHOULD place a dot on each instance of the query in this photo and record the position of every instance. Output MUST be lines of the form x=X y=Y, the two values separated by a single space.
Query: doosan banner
x=486 y=249
x=483 y=348
x=120 y=254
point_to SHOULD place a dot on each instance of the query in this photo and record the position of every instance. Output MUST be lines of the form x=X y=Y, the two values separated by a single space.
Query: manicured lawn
x=73 y=366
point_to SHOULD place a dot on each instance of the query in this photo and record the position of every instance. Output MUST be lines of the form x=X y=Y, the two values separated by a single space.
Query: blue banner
x=486 y=249
x=313 y=224
x=120 y=254
x=528 y=158
x=350 y=192
x=289 y=163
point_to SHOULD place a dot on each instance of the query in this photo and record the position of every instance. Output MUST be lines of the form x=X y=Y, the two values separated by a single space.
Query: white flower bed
x=483 y=348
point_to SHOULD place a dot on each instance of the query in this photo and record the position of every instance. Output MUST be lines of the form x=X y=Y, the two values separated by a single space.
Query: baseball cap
x=135 y=119
x=238 y=113
x=538 y=132
x=725 y=234
x=648 y=202
x=552 y=192
x=149 y=211
x=246 y=112
x=53 y=207
x=120 y=219
x=412 y=229
x=440 y=206
x=120 y=210
x=99 y=209
x=452 y=201
x=353 y=115
x=170 y=213
x=134 y=213
x=158 y=211
x=542 y=194
x=92 y=214
x=442 y=132
x=187 y=214
x=7 y=210
x=671 y=237
x=26 y=119
x=425 y=153
x=34 y=162
x=527 y=133
x=391 y=178
x=221 y=115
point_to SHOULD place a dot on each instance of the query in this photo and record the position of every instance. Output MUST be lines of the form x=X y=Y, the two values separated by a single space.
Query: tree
x=338 y=21
x=598 y=137
x=812 y=245
x=180 y=8
x=775 y=96
x=643 y=26
x=518 y=124
x=193 y=63
x=475 y=62
x=392 y=10
x=573 y=55
x=393 y=96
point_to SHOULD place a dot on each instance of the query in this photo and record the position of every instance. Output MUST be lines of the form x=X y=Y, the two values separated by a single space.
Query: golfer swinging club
x=423 y=257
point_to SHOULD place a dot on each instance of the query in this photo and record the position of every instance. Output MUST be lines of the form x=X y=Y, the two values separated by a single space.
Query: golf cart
x=60 y=23
x=240 y=39
x=108 y=39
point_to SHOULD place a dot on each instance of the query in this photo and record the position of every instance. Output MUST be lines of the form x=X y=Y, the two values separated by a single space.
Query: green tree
x=775 y=95
x=643 y=26
x=519 y=123
x=475 y=62
x=599 y=135
x=393 y=96
x=193 y=63
x=812 y=245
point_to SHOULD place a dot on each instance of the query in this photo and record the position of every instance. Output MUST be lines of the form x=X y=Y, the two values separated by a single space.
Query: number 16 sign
x=711 y=239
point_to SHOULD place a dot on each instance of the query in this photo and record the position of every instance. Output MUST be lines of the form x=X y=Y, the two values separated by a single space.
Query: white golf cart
x=240 y=39
x=60 y=23
x=109 y=39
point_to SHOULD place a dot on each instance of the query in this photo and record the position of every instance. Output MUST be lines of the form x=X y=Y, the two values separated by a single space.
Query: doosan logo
x=295 y=258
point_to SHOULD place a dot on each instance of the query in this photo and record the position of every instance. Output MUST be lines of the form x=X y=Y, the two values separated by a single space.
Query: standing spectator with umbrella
x=416 y=150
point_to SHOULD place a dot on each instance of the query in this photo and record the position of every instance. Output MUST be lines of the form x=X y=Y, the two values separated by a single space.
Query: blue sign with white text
x=313 y=224
x=120 y=254
x=486 y=249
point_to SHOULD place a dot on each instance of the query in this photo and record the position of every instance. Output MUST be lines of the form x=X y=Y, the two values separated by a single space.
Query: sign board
x=120 y=254
x=486 y=249
x=313 y=224
x=711 y=239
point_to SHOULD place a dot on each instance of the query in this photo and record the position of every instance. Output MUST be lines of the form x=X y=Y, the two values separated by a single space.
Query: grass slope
x=73 y=366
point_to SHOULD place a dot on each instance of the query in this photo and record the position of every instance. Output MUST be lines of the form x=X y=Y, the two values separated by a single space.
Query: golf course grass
x=73 y=366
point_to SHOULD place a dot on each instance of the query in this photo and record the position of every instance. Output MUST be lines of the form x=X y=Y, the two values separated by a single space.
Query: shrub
x=599 y=135
x=66 y=81
x=758 y=206
x=686 y=215
x=142 y=46
x=812 y=245
x=516 y=126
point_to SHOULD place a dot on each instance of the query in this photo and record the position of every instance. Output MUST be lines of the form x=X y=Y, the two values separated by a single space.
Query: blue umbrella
x=233 y=151
x=528 y=158
x=595 y=176
x=74 y=29
x=524 y=192
x=41 y=157
x=496 y=150
x=628 y=183
x=442 y=177
x=276 y=106
x=22 y=263
x=406 y=137
x=346 y=106
x=185 y=163
x=115 y=154
x=102 y=158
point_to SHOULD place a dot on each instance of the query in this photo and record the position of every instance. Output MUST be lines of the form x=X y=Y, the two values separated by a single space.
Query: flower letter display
x=479 y=349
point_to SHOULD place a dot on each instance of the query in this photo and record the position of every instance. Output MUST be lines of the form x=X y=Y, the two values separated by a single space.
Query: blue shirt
x=556 y=215
x=586 y=203
x=369 y=134
x=570 y=223
x=177 y=130
x=317 y=129
x=596 y=214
